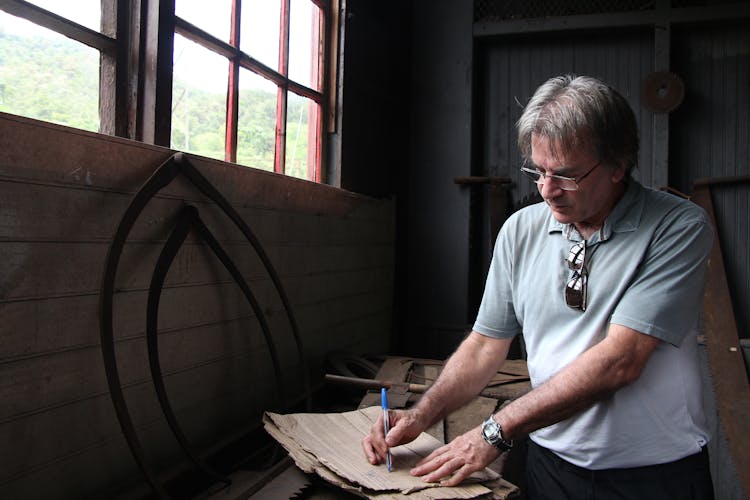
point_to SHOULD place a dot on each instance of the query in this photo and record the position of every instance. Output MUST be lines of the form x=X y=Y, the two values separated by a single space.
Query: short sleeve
x=669 y=284
x=497 y=316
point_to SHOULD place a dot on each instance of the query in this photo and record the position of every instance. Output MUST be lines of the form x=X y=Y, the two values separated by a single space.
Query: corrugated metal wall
x=436 y=312
x=515 y=66
x=710 y=138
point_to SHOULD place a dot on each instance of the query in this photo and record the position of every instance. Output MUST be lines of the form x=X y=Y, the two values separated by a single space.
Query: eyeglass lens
x=575 y=288
x=576 y=256
x=565 y=183
x=575 y=291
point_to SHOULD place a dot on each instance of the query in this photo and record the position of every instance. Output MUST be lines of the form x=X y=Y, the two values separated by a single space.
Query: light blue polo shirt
x=647 y=271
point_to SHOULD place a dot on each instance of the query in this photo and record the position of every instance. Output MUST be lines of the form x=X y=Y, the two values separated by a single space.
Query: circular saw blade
x=662 y=91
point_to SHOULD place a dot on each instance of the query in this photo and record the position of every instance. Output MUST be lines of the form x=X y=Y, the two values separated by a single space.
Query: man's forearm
x=464 y=375
x=597 y=374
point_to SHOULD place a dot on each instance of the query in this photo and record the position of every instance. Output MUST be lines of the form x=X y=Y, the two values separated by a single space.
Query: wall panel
x=62 y=193
x=710 y=138
x=513 y=67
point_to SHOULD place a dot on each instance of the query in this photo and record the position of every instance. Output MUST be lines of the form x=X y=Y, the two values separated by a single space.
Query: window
x=245 y=81
x=50 y=67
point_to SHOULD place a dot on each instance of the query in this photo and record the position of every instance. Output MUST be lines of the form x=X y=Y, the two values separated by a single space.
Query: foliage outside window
x=247 y=81
x=47 y=76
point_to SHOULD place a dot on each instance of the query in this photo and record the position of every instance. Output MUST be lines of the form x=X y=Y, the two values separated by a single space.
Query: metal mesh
x=703 y=3
x=503 y=10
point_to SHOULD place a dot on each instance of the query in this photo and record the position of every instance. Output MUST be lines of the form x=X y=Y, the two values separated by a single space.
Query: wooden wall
x=62 y=194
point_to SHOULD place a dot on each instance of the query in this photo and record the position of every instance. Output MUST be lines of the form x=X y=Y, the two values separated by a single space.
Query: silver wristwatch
x=493 y=434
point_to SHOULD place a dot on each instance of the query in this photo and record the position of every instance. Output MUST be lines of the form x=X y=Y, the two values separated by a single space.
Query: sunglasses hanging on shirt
x=576 y=286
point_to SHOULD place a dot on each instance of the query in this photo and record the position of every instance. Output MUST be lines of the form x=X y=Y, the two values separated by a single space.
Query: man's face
x=597 y=193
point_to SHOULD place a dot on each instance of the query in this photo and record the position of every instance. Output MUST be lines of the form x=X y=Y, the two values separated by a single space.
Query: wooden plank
x=90 y=214
x=88 y=435
x=97 y=161
x=469 y=416
x=34 y=384
x=52 y=269
x=71 y=213
x=393 y=368
x=729 y=375
x=510 y=381
x=43 y=326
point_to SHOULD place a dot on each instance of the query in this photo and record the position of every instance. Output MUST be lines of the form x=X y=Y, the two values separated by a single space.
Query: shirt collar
x=625 y=217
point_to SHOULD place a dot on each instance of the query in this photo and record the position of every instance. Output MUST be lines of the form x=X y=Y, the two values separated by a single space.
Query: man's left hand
x=461 y=457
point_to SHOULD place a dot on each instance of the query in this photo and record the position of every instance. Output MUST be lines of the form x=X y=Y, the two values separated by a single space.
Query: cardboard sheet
x=328 y=444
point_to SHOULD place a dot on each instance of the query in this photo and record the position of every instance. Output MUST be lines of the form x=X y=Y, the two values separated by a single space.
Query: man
x=605 y=279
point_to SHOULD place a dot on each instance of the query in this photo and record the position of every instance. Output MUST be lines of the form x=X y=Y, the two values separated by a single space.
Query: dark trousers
x=549 y=477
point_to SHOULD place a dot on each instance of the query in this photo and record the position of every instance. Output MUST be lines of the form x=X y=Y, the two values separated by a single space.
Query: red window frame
x=239 y=59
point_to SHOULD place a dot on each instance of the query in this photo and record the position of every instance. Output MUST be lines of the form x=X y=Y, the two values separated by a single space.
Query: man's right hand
x=467 y=371
x=405 y=426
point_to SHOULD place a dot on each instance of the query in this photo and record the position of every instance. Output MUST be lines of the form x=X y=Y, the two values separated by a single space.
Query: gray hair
x=580 y=111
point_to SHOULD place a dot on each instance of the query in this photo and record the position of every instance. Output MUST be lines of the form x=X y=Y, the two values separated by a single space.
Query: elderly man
x=605 y=280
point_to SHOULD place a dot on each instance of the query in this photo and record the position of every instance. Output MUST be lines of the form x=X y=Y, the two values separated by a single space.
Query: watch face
x=492 y=433
x=490 y=429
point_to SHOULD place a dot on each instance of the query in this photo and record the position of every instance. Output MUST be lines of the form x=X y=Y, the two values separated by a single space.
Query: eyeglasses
x=576 y=286
x=565 y=183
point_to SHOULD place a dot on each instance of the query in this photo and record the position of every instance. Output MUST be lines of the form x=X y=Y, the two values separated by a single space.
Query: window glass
x=260 y=27
x=256 y=124
x=84 y=12
x=258 y=144
x=301 y=137
x=47 y=76
x=303 y=42
x=199 y=99
x=214 y=17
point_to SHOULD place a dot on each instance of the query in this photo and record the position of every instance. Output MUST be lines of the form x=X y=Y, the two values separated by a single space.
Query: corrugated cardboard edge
x=309 y=462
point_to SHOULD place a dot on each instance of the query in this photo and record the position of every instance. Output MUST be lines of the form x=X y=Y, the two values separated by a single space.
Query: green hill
x=57 y=80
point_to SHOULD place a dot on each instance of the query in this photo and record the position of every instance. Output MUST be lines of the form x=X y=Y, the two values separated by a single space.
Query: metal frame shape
x=163 y=176
x=189 y=220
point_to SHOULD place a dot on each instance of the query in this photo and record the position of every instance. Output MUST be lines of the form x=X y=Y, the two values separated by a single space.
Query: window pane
x=304 y=43
x=256 y=125
x=301 y=137
x=259 y=30
x=84 y=12
x=199 y=99
x=214 y=17
x=47 y=76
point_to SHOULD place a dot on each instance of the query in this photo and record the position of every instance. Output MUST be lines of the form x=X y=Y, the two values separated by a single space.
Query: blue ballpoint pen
x=384 y=405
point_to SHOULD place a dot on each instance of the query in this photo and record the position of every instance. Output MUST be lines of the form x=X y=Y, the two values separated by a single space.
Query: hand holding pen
x=384 y=405
x=404 y=426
